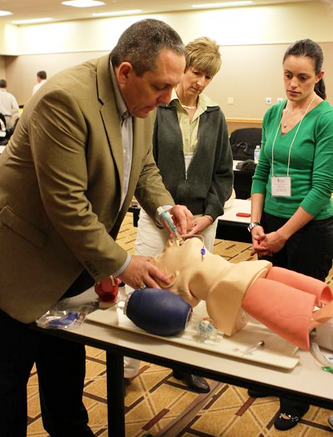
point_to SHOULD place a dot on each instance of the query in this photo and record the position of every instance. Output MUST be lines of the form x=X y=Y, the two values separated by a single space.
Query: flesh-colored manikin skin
x=211 y=278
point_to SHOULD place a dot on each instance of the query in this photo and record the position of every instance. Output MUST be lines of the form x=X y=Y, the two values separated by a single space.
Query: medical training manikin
x=281 y=299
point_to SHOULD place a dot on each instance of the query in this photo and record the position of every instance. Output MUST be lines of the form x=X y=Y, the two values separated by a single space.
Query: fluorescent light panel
x=83 y=3
x=223 y=4
x=4 y=13
x=32 y=21
x=110 y=14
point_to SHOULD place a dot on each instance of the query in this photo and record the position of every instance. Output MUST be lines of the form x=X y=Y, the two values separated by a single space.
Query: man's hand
x=141 y=272
x=182 y=218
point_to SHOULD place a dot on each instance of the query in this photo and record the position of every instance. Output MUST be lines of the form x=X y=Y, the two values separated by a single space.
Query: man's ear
x=123 y=72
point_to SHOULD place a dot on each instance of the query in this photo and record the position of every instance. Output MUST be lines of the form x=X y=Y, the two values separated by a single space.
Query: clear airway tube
x=319 y=356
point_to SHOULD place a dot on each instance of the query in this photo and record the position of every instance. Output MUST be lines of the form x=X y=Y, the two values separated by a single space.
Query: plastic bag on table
x=64 y=316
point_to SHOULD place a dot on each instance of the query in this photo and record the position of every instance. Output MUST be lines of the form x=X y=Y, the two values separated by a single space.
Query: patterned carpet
x=161 y=405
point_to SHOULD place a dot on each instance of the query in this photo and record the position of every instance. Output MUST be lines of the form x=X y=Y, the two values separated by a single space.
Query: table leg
x=115 y=394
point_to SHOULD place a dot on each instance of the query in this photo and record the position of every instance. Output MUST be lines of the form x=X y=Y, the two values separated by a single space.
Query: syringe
x=250 y=349
x=167 y=217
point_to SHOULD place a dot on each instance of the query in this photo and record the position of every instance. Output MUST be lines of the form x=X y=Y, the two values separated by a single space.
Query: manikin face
x=300 y=77
x=145 y=93
x=194 y=82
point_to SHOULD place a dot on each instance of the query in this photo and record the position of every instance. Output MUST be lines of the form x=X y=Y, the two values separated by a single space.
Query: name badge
x=281 y=186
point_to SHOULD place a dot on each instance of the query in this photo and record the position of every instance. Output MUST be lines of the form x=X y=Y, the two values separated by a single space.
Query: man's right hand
x=141 y=272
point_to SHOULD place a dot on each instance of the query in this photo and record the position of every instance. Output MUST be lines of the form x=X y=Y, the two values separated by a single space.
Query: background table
x=232 y=227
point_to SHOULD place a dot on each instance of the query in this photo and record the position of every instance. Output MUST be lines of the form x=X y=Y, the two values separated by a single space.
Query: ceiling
x=30 y=9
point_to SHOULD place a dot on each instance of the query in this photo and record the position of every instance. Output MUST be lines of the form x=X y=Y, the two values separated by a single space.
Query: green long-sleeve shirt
x=311 y=164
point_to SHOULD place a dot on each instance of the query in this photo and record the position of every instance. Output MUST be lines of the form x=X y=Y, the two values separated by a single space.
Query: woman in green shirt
x=292 y=208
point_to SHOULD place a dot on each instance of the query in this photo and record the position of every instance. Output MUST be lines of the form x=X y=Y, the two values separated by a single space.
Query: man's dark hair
x=42 y=75
x=3 y=83
x=142 y=42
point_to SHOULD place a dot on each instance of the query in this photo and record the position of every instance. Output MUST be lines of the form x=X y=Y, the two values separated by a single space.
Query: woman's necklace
x=292 y=143
x=187 y=107
x=285 y=123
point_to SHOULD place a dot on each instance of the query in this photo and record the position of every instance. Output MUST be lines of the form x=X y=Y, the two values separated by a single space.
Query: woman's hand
x=274 y=241
x=199 y=225
x=258 y=246
x=266 y=244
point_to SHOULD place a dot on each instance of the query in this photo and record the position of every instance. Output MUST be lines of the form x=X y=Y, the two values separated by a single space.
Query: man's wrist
x=124 y=266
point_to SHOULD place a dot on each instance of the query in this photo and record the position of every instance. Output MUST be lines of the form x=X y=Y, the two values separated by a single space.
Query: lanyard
x=292 y=143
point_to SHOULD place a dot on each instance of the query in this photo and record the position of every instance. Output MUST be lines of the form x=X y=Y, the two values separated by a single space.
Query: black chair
x=250 y=135
x=245 y=138
x=5 y=133
x=242 y=184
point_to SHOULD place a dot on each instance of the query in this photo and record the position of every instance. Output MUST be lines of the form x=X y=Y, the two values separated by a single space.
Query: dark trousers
x=308 y=251
x=61 y=371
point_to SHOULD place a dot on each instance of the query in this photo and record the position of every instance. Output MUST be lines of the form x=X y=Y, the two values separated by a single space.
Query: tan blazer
x=60 y=188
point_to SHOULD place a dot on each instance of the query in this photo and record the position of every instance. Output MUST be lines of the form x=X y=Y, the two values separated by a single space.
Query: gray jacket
x=209 y=178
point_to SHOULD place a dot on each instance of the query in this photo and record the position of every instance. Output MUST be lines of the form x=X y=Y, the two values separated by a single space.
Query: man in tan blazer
x=66 y=181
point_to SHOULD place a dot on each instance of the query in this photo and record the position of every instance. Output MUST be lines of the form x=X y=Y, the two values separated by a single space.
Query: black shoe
x=194 y=382
x=330 y=420
x=258 y=393
x=285 y=421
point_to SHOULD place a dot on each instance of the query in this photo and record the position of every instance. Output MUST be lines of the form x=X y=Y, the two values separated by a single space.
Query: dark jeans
x=308 y=251
x=61 y=370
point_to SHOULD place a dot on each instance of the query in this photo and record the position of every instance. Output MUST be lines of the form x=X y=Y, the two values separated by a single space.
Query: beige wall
x=21 y=70
x=2 y=68
x=9 y=39
x=249 y=74
x=252 y=40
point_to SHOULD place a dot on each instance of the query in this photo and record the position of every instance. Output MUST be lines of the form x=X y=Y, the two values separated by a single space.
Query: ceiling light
x=110 y=14
x=83 y=3
x=4 y=13
x=223 y=4
x=32 y=21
